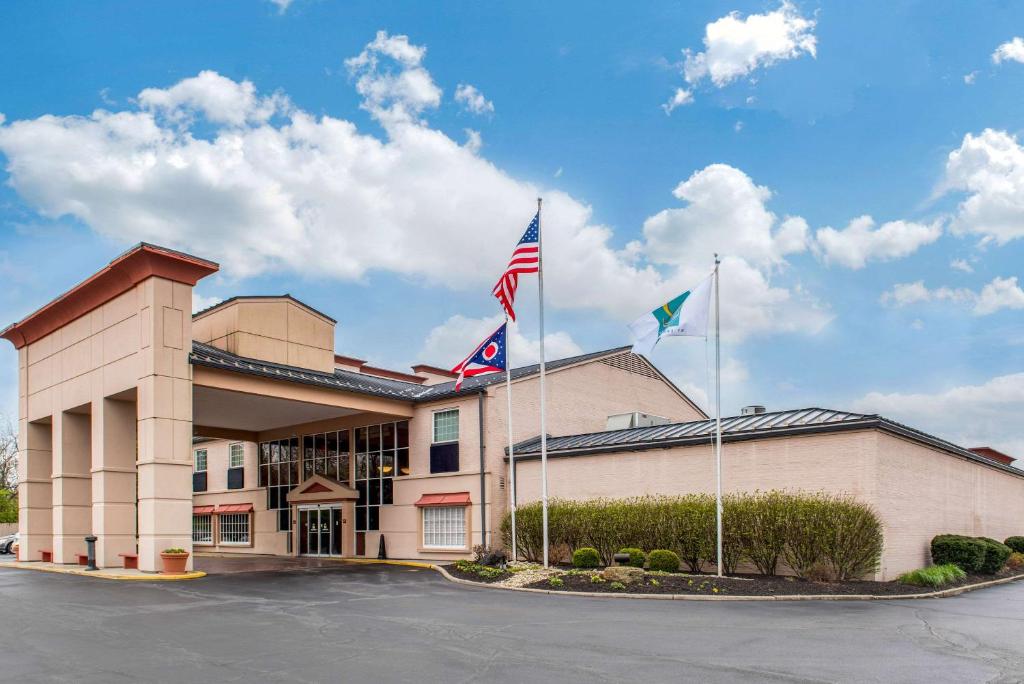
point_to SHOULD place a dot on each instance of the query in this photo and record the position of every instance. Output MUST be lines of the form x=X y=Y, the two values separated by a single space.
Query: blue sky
x=379 y=160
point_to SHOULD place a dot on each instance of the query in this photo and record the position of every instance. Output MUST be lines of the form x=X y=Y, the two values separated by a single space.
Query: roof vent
x=753 y=410
x=624 y=421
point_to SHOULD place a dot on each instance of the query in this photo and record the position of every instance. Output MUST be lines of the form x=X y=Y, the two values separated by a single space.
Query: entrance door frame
x=320 y=508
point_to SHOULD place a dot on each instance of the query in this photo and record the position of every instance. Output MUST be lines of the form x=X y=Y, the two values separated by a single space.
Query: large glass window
x=234 y=528
x=279 y=472
x=327 y=454
x=444 y=527
x=202 y=529
x=446 y=426
x=382 y=453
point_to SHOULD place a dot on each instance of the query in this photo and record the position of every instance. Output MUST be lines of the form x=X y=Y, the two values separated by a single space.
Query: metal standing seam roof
x=737 y=428
x=351 y=381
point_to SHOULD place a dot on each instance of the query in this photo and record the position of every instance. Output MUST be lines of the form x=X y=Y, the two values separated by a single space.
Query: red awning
x=235 y=508
x=454 y=499
x=202 y=510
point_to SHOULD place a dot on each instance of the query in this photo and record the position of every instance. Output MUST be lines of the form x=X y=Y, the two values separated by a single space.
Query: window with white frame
x=234 y=528
x=236 y=456
x=199 y=460
x=202 y=529
x=444 y=527
x=446 y=426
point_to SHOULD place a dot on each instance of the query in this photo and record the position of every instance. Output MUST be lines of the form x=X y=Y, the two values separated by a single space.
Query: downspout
x=483 y=488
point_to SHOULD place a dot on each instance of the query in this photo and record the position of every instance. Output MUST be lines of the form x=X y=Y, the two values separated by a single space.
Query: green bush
x=586 y=557
x=637 y=557
x=1015 y=543
x=663 y=560
x=966 y=552
x=810 y=533
x=996 y=555
x=1015 y=561
x=933 y=576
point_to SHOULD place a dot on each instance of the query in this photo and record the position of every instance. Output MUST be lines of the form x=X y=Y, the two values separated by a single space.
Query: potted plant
x=174 y=560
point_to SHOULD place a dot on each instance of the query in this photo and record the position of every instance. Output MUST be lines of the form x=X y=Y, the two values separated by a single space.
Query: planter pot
x=174 y=563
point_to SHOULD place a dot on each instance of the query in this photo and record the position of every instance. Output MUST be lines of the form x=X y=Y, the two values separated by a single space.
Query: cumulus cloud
x=961 y=265
x=860 y=242
x=1010 y=51
x=445 y=344
x=199 y=302
x=1000 y=293
x=987 y=414
x=970 y=78
x=989 y=169
x=679 y=98
x=726 y=213
x=282 y=5
x=211 y=166
x=735 y=46
x=472 y=100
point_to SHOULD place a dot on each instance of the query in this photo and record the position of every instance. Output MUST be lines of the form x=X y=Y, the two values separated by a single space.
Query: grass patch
x=933 y=576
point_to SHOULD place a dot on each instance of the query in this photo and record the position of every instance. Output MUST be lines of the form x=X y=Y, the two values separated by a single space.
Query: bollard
x=382 y=551
x=90 y=545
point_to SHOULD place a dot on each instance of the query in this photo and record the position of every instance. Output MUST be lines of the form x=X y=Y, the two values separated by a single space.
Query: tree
x=8 y=471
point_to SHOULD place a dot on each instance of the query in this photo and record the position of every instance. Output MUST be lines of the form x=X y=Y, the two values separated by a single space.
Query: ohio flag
x=488 y=357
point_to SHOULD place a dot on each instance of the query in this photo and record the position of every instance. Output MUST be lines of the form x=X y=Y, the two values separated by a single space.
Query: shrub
x=663 y=560
x=933 y=576
x=806 y=529
x=996 y=555
x=556 y=582
x=853 y=546
x=175 y=549
x=617 y=586
x=586 y=557
x=966 y=552
x=1015 y=543
x=1015 y=561
x=637 y=557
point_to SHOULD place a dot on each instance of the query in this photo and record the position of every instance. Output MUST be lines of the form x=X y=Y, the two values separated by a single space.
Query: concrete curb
x=23 y=565
x=945 y=593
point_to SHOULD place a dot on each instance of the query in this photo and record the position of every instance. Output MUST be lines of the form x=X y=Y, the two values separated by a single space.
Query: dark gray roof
x=351 y=381
x=735 y=429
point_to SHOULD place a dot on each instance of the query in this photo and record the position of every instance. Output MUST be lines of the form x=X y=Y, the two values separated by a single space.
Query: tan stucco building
x=239 y=429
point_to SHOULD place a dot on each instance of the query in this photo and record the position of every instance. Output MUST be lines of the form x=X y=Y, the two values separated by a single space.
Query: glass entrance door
x=320 y=531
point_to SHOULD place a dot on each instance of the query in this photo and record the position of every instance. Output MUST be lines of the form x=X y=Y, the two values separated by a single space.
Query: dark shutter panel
x=236 y=478
x=199 y=482
x=444 y=458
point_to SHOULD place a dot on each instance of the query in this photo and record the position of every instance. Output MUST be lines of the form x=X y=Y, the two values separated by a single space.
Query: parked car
x=7 y=542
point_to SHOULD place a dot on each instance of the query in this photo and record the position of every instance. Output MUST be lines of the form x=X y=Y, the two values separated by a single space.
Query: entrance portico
x=322 y=509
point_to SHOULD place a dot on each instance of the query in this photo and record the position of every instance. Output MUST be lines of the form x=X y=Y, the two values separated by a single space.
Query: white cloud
x=861 y=242
x=738 y=126
x=1001 y=293
x=1010 y=51
x=735 y=46
x=199 y=302
x=389 y=74
x=989 y=168
x=970 y=78
x=726 y=213
x=472 y=100
x=679 y=98
x=961 y=265
x=219 y=99
x=987 y=414
x=210 y=166
x=473 y=140
x=450 y=342
x=558 y=172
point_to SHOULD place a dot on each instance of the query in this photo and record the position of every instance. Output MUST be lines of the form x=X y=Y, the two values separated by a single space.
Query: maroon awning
x=451 y=499
x=202 y=510
x=235 y=508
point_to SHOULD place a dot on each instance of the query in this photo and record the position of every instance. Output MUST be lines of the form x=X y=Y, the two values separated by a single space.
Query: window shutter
x=199 y=482
x=236 y=478
x=444 y=458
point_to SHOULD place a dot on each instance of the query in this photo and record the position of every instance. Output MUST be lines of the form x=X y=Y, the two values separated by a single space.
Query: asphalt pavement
x=349 y=623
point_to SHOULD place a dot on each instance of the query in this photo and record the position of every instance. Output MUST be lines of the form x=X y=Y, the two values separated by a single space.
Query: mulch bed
x=754 y=585
x=473 y=577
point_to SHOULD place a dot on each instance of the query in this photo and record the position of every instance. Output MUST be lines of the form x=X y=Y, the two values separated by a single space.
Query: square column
x=35 y=517
x=72 y=488
x=114 y=443
x=164 y=420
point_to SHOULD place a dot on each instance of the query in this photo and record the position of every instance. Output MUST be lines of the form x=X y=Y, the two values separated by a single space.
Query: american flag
x=525 y=259
x=488 y=357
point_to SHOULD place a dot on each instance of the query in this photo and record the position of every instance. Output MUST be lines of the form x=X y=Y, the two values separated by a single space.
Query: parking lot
x=344 y=622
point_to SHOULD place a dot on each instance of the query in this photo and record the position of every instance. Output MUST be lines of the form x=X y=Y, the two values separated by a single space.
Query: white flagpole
x=511 y=451
x=718 y=417
x=543 y=427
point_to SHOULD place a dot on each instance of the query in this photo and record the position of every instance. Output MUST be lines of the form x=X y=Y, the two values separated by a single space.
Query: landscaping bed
x=710 y=585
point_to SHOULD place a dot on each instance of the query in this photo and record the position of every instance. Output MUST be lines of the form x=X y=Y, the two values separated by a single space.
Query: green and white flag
x=687 y=314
